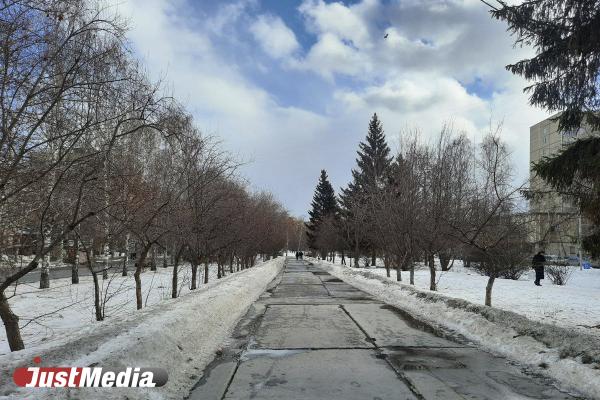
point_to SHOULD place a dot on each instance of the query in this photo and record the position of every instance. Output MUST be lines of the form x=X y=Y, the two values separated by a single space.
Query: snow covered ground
x=574 y=306
x=50 y=314
x=180 y=335
x=571 y=357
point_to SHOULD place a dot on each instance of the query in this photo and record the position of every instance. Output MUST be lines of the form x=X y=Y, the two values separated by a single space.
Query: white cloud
x=411 y=79
x=276 y=39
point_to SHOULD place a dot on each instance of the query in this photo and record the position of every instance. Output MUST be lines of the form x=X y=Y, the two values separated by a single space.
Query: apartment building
x=557 y=224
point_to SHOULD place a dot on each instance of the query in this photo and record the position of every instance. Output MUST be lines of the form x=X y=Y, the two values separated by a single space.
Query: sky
x=289 y=86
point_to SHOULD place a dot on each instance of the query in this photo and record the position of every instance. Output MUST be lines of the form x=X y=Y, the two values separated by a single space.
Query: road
x=65 y=272
x=313 y=336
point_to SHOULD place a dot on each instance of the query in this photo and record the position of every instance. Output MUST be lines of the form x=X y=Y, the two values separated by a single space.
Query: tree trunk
x=343 y=258
x=175 y=280
x=138 y=280
x=153 y=265
x=431 y=262
x=206 y=272
x=11 y=325
x=194 y=276
x=165 y=259
x=218 y=268
x=444 y=261
x=373 y=260
x=126 y=257
x=231 y=264
x=75 y=267
x=97 y=308
x=398 y=273
x=412 y=274
x=45 y=275
x=106 y=267
x=488 y=291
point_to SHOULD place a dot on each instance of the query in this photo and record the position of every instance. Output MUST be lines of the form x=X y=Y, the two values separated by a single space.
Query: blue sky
x=289 y=86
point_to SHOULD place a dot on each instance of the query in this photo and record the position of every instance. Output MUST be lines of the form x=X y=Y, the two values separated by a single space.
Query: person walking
x=538 y=265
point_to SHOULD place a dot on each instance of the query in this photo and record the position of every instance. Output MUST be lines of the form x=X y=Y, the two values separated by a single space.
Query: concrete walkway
x=312 y=336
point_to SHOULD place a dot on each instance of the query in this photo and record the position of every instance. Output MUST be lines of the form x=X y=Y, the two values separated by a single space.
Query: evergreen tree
x=373 y=164
x=324 y=204
x=566 y=76
x=566 y=67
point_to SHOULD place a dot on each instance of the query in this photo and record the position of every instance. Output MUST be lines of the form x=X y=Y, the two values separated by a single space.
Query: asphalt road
x=312 y=336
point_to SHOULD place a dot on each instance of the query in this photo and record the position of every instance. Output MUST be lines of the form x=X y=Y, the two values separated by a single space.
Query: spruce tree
x=373 y=164
x=565 y=75
x=324 y=204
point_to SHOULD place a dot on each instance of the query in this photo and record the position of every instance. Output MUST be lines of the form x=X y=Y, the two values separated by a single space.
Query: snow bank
x=570 y=357
x=180 y=335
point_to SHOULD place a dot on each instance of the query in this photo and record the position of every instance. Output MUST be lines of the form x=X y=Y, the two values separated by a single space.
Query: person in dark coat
x=538 y=264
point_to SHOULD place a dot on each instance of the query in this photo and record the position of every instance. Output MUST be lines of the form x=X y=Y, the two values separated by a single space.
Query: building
x=557 y=223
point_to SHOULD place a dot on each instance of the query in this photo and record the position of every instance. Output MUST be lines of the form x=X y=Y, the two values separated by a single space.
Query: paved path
x=313 y=336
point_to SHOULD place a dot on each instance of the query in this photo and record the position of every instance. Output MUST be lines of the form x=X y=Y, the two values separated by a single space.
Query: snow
x=50 y=314
x=574 y=305
x=571 y=357
x=180 y=335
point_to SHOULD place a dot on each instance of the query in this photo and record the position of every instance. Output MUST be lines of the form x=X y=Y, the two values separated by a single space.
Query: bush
x=514 y=272
x=559 y=274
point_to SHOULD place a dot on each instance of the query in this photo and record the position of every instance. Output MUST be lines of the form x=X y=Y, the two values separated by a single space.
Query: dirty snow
x=180 y=335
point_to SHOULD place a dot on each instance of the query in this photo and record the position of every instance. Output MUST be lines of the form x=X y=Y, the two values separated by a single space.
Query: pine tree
x=324 y=204
x=373 y=164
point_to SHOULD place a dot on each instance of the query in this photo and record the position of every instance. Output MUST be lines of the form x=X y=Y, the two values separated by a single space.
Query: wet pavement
x=312 y=336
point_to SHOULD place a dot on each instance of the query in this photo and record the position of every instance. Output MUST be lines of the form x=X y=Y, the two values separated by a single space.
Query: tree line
x=449 y=198
x=97 y=160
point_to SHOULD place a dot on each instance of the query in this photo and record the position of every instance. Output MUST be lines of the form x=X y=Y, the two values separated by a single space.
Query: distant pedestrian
x=538 y=262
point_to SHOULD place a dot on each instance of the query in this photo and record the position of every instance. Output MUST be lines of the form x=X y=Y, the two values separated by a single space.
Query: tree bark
x=11 y=325
x=444 y=261
x=75 y=267
x=373 y=260
x=218 y=268
x=138 y=280
x=175 y=280
x=398 y=273
x=206 y=272
x=231 y=264
x=45 y=275
x=431 y=263
x=194 y=276
x=412 y=274
x=488 y=291
x=153 y=265
x=97 y=308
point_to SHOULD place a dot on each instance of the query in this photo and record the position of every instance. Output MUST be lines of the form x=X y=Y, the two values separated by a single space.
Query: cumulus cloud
x=276 y=39
x=301 y=104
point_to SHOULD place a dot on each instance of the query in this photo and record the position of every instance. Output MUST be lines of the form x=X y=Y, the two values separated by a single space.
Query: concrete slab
x=300 y=291
x=317 y=375
x=300 y=278
x=308 y=326
x=219 y=377
x=470 y=373
x=389 y=328
x=349 y=294
x=317 y=301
